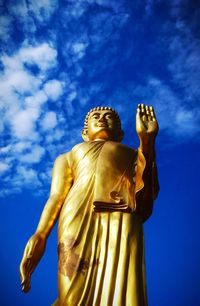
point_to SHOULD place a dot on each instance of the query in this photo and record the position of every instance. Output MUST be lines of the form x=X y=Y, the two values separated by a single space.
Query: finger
x=144 y=118
x=25 y=278
x=139 y=111
x=152 y=111
x=22 y=277
x=22 y=270
x=153 y=116
x=142 y=108
x=29 y=267
x=26 y=268
x=148 y=114
x=138 y=114
x=139 y=119
x=26 y=285
x=142 y=112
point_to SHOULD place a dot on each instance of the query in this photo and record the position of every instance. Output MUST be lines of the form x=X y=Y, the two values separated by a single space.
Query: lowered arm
x=61 y=183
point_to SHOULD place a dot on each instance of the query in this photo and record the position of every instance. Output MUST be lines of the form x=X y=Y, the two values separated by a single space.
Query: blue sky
x=58 y=59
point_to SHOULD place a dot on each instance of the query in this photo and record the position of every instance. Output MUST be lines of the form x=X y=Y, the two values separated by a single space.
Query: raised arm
x=147 y=129
x=147 y=186
x=61 y=183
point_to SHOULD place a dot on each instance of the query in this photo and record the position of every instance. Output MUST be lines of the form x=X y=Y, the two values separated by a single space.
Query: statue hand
x=146 y=123
x=33 y=252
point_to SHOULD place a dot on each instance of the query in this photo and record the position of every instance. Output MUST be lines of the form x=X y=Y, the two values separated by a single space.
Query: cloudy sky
x=58 y=59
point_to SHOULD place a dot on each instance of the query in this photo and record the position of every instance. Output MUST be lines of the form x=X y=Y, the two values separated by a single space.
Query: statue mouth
x=102 y=125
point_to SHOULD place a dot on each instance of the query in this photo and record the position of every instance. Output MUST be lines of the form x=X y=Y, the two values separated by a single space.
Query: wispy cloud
x=6 y=27
x=3 y=167
x=184 y=65
x=24 y=105
x=33 y=156
x=177 y=119
x=59 y=60
x=49 y=121
x=32 y=12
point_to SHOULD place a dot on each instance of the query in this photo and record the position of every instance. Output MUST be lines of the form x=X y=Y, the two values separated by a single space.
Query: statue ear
x=85 y=135
x=120 y=135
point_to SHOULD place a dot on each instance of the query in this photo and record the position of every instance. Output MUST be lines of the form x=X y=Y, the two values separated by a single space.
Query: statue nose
x=102 y=119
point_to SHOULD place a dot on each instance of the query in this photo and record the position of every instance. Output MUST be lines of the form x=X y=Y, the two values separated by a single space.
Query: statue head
x=102 y=123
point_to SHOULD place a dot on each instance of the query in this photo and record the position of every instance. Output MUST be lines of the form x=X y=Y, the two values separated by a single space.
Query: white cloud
x=19 y=81
x=16 y=80
x=58 y=134
x=187 y=121
x=49 y=121
x=34 y=156
x=5 y=149
x=74 y=10
x=19 y=8
x=5 y=27
x=36 y=100
x=4 y=167
x=184 y=62
x=43 y=9
x=1 y=125
x=55 y=136
x=72 y=95
x=20 y=11
x=21 y=98
x=28 y=81
x=27 y=175
x=30 y=13
x=183 y=117
x=11 y=63
x=115 y=5
x=44 y=56
x=23 y=123
x=21 y=146
x=46 y=176
x=177 y=121
x=79 y=49
x=23 y=104
x=53 y=89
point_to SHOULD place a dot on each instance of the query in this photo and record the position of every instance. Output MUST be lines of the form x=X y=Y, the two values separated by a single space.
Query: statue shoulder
x=64 y=159
x=129 y=148
x=67 y=158
x=122 y=146
x=78 y=146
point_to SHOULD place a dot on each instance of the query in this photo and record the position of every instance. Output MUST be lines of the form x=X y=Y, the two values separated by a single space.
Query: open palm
x=146 y=123
x=33 y=252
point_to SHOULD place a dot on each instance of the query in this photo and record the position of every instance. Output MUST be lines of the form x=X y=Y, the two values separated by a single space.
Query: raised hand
x=146 y=123
x=32 y=254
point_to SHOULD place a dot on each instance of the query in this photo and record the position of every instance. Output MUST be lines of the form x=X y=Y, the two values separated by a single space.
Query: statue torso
x=111 y=164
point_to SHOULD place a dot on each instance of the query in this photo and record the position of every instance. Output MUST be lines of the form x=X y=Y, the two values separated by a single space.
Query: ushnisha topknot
x=98 y=108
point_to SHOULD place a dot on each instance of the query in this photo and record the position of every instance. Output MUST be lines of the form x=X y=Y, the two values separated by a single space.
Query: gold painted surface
x=102 y=192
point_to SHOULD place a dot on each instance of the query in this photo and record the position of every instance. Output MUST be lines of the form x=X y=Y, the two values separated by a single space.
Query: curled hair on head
x=99 y=108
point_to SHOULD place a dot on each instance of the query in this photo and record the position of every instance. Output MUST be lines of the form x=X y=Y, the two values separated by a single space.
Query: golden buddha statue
x=102 y=191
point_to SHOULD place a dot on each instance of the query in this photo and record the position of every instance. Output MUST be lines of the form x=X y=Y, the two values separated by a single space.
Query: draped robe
x=100 y=230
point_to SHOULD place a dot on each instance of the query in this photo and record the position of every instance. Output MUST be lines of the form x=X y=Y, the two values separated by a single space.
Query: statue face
x=102 y=125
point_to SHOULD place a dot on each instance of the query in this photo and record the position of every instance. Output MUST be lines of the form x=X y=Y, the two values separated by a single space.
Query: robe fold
x=100 y=230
